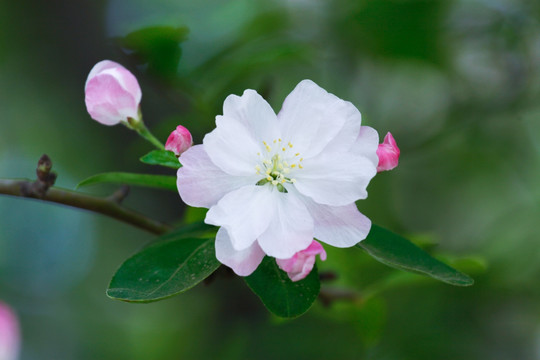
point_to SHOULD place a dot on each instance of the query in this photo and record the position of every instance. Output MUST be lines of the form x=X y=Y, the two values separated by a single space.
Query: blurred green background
x=456 y=82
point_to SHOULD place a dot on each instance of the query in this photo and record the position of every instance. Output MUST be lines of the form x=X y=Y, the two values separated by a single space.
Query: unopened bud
x=179 y=141
x=388 y=153
x=43 y=167
x=301 y=264
x=112 y=94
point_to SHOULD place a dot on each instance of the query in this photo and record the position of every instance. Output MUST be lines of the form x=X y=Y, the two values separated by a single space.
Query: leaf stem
x=109 y=206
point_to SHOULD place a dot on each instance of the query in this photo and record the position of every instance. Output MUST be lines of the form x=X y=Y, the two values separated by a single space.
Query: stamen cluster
x=275 y=168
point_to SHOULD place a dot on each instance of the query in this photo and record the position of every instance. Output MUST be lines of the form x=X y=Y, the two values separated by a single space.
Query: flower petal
x=339 y=226
x=10 y=333
x=367 y=143
x=347 y=135
x=254 y=113
x=201 y=183
x=311 y=118
x=242 y=262
x=246 y=122
x=231 y=147
x=245 y=213
x=291 y=228
x=335 y=180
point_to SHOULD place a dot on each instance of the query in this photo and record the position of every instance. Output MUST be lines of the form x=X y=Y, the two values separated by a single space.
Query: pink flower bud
x=179 y=141
x=301 y=264
x=388 y=153
x=9 y=334
x=112 y=93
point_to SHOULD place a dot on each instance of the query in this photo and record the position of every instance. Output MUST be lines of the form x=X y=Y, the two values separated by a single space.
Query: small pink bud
x=388 y=153
x=301 y=264
x=9 y=334
x=179 y=141
x=112 y=93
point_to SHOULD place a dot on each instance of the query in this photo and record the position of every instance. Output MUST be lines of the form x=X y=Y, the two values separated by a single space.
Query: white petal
x=242 y=262
x=247 y=121
x=366 y=144
x=339 y=226
x=347 y=135
x=291 y=229
x=201 y=183
x=335 y=180
x=311 y=117
x=245 y=213
x=255 y=113
x=231 y=147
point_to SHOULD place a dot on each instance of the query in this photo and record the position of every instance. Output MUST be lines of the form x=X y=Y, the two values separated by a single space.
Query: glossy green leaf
x=161 y=157
x=279 y=294
x=164 y=269
x=156 y=181
x=395 y=251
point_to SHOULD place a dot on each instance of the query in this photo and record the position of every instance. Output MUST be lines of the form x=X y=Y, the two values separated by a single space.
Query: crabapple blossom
x=179 y=141
x=301 y=264
x=112 y=94
x=388 y=153
x=273 y=183
x=9 y=333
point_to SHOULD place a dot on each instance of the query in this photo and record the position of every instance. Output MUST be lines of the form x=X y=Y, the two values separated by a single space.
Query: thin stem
x=145 y=133
x=107 y=206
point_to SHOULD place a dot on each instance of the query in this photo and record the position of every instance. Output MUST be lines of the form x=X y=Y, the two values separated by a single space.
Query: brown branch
x=107 y=206
x=328 y=295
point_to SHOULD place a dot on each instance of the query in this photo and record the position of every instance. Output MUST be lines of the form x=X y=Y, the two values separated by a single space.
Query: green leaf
x=164 y=269
x=156 y=181
x=161 y=157
x=398 y=252
x=279 y=294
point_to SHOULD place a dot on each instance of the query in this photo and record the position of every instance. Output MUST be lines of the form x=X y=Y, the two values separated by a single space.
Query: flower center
x=277 y=164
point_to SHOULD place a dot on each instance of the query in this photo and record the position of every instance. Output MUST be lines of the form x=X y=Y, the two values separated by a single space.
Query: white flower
x=275 y=182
